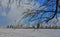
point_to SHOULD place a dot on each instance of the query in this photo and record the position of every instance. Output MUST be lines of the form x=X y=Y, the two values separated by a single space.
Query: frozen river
x=29 y=33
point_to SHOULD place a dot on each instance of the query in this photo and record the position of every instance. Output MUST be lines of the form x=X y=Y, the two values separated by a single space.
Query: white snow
x=29 y=33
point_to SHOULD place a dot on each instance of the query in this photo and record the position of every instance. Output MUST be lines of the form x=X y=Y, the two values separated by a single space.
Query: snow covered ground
x=29 y=33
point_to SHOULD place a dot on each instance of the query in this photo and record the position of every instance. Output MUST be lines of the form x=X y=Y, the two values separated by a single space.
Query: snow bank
x=29 y=33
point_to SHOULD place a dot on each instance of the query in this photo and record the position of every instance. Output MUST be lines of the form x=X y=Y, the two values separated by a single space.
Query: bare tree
x=52 y=12
x=47 y=11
